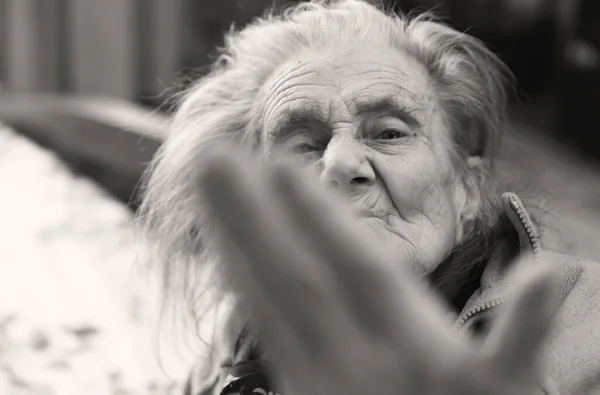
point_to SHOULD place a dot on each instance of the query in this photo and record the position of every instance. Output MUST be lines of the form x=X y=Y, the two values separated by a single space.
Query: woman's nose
x=345 y=165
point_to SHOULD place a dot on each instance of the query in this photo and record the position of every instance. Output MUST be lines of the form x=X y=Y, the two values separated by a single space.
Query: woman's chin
x=391 y=243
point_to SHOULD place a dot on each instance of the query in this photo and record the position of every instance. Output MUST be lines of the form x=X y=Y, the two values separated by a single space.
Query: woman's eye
x=304 y=148
x=391 y=135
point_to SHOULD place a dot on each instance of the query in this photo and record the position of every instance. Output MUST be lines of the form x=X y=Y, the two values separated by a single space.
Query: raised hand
x=338 y=315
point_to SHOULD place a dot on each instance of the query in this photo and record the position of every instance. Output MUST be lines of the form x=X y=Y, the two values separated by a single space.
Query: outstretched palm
x=337 y=317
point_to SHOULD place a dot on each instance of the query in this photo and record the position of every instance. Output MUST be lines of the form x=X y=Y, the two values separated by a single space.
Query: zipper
x=534 y=243
x=526 y=223
x=469 y=315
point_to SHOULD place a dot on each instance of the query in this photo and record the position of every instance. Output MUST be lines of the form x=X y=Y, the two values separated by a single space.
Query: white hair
x=469 y=79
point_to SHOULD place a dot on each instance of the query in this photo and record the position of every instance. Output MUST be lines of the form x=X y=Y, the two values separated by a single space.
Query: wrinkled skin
x=369 y=122
x=333 y=289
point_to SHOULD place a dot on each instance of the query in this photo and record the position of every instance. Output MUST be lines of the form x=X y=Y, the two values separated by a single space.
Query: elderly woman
x=332 y=173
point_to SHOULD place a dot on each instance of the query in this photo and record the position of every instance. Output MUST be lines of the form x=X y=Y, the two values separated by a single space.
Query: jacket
x=572 y=352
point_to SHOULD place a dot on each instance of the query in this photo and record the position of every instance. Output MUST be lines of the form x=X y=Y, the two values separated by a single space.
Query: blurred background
x=85 y=97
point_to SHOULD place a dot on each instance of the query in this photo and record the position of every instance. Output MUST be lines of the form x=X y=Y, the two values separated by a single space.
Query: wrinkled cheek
x=408 y=183
x=431 y=228
x=410 y=200
x=420 y=194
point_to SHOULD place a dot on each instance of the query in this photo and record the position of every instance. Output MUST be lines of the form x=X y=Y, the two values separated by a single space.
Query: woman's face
x=367 y=119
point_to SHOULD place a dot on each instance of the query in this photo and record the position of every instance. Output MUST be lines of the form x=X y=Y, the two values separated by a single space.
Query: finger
x=381 y=292
x=287 y=348
x=520 y=331
x=279 y=276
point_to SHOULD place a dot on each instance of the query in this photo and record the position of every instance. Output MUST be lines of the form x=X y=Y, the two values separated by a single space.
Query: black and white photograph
x=299 y=197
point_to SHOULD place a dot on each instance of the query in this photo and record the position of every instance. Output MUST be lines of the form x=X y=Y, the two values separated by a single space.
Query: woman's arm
x=337 y=315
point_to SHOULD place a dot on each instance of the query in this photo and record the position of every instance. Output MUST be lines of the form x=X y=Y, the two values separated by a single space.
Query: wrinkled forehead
x=339 y=85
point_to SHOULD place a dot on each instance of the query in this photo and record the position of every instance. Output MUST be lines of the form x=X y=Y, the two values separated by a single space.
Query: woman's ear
x=468 y=196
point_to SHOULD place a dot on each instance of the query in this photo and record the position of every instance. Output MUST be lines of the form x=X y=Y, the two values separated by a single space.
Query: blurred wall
x=127 y=49
x=134 y=49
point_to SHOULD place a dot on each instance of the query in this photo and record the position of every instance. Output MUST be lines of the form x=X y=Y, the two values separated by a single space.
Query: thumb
x=520 y=331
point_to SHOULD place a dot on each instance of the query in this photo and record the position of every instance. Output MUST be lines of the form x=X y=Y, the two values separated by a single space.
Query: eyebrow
x=386 y=104
x=304 y=115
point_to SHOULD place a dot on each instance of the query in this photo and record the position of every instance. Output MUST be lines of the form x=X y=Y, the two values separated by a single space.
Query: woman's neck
x=458 y=277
